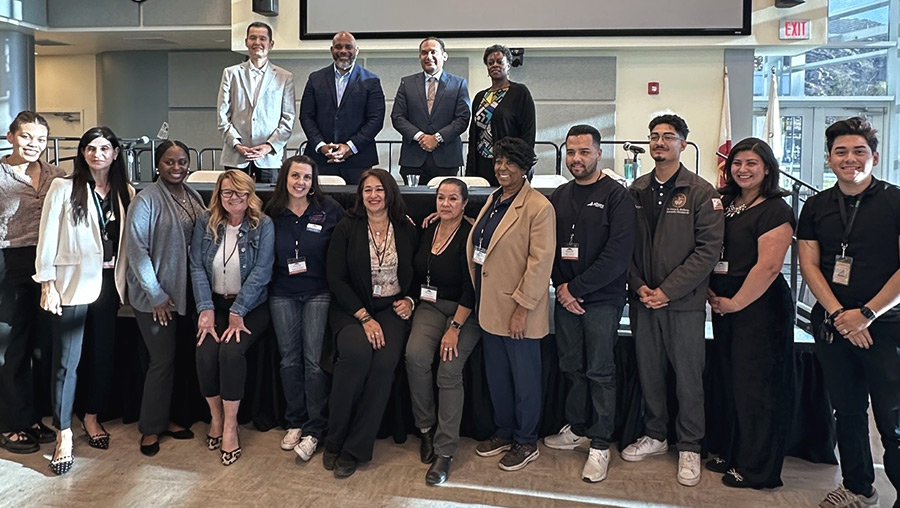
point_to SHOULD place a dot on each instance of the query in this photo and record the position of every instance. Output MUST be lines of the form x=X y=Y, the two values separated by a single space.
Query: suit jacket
x=268 y=118
x=359 y=118
x=449 y=115
x=72 y=255
x=517 y=264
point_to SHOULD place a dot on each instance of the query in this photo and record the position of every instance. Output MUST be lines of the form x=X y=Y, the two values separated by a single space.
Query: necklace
x=735 y=210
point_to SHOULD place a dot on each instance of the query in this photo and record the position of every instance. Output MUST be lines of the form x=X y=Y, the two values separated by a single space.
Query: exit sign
x=794 y=29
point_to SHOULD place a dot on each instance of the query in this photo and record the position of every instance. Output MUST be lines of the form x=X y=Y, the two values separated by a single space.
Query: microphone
x=128 y=144
x=633 y=148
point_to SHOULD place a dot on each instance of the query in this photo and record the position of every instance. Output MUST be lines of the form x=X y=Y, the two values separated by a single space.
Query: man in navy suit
x=341 y=112
x=431 y=110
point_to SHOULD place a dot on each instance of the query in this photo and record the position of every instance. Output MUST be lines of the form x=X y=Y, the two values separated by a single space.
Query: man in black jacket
x=594 y=242
x=680 y=229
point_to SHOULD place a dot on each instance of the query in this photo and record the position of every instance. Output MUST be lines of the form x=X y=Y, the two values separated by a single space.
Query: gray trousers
x=662 y=337
x=430 y=321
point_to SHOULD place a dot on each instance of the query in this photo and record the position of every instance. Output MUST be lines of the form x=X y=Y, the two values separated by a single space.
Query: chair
x=204 y=176
x=547 y=181
x=470 y=181
x=331 y=180
x=615 y=176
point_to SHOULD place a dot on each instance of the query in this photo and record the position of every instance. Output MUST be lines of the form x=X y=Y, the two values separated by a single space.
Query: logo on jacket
x=676 y=206
x=596 y=204
x=679 y=200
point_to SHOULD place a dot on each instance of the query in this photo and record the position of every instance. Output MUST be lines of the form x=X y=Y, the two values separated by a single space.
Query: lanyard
x=294 y=229
x=432 y=255
x=103 y=219
x=380 y=254
x=224 y=248
x=848 y=225
x=495 y=205
x=578 y=214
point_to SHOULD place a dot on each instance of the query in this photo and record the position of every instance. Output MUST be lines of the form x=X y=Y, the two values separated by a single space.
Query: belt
x=226 y=297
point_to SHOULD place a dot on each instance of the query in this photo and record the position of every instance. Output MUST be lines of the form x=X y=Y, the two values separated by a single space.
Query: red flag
x=724 y=132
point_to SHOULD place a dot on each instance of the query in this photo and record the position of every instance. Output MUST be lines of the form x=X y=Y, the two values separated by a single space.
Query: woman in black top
x=370 y=273
x=753 y=318
x=506 y=109
x=442 y=323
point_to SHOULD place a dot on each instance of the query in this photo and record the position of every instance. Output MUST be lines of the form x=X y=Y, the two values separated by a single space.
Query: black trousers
x=98 y=351
x=221 y=366
x=427 y=170
x=754 y=352
x=25 y=344
x=362 y=382
x=259 y=174
x=853 y=376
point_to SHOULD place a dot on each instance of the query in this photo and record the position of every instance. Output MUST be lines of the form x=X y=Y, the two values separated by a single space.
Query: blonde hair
x=241 y=182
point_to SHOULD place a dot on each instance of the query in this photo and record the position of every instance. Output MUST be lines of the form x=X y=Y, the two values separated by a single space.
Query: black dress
x=754 y=352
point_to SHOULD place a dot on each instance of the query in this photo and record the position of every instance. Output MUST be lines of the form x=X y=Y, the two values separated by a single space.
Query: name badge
x=110 y=264
x=721 y=268
x=296 y=265
x=569 y=252
x=479 y=255
x=314 y=228
x=842 y=265
x=376 y=290
x=428 y=293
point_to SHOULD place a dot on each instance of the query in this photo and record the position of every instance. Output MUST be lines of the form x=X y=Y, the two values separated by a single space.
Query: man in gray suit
x=431 y=110
x=256 y=109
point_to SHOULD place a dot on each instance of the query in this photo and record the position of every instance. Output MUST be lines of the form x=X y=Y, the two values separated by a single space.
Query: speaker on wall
x=781 y=4
x=266 y=7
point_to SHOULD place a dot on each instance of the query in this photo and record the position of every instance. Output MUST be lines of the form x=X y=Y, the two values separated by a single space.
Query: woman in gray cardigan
x=159 y=229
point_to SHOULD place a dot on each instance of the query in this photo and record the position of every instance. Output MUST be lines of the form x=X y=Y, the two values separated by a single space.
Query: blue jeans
x=300 y=327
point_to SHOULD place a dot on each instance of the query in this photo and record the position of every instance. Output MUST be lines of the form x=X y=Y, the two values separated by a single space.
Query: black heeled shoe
x=213 y=443
x=439 y=470
x=426 y=446
x=229 y=458
x=99 y=441
x=150 y=449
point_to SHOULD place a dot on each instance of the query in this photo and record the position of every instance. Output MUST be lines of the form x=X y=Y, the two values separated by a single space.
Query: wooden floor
x=186 y=474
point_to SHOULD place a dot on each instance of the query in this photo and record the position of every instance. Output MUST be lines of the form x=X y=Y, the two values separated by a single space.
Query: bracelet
x=412 y=303
x=365 y=319
x=834 y=314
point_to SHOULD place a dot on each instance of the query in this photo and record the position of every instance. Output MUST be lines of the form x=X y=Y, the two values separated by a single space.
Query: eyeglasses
x=667 y=137
x=228 y=194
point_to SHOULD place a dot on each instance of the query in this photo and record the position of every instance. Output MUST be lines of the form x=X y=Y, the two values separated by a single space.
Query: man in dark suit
x=430 y=111
x=341 y=112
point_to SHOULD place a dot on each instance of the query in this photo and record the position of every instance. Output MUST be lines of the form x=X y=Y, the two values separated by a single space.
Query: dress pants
x=585 y=344
x=222 y=366
x=430 y=322
x=513 y=371
x=853 y=376
x=96 y=370
x=362 y=382
x=260 y=175
x=666 y=336
x=67 y=332
x=162 y=344
x=428 y=170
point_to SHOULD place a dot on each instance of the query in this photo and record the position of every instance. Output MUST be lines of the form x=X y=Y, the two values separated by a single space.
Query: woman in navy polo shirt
x=304 y=219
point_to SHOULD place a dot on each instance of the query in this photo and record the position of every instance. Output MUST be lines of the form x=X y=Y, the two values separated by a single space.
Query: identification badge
x=315 y=228
x=842 y=265
x=569 y=252
x=480 y=254
x=296 y=265
x=376 y=290
x=110 y=263
x=721 y=268
x=428 y=293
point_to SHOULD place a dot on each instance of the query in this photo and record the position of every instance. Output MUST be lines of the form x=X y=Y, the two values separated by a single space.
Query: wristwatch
x=867 y=312
x=455 y=324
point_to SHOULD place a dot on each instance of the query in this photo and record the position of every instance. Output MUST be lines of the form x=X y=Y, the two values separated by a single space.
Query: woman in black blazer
x=506 y=109
x=370 y=273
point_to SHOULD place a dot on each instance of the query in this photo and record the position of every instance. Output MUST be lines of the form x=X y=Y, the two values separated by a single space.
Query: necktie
x=432 y=90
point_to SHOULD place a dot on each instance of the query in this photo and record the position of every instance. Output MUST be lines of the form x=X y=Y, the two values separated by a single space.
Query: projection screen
x=320 y=19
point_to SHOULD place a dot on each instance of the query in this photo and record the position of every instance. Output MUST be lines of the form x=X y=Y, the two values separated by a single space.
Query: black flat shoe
x=24 y=443
x=329 y=459
x=344 y=467
x=150 y=449
x=734 y=479
x=42 y=433
x=439 y=470
x=178 y=434
x=99 y=441
x=717 y=465
x=426 y=447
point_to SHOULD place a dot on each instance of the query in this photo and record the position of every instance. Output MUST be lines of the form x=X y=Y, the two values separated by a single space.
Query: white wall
x=67 y=84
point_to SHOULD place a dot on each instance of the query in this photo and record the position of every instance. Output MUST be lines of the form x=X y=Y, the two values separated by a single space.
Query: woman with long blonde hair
x=231 y=264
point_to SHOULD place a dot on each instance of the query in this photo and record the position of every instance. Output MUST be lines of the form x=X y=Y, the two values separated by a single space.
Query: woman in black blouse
x=506 y=109
x=442 y=323
x=370 y=273
x=753 y=318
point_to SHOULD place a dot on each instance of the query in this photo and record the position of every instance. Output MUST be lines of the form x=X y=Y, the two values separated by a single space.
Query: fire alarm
x=653 y=88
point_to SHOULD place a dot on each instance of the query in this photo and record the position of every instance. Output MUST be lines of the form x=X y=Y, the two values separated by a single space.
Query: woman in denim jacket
x=231 y=264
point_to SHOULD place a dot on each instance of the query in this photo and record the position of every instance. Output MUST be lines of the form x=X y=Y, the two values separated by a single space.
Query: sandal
x=99 y=441
x=229 y=458
x=213 y=443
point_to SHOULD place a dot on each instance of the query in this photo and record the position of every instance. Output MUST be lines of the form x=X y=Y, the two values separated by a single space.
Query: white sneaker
x=290 y=439
x=644 y=447
x=307 y=447
x=688 y=468
x=565 y=439
x=596 y=466
x=842 y=497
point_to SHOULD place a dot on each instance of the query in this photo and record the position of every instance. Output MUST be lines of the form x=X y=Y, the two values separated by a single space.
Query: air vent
x=49 y=43
x=155 y=41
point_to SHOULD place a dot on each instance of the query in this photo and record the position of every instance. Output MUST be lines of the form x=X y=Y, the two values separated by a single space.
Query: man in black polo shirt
x=594 y=242
x=849 y=246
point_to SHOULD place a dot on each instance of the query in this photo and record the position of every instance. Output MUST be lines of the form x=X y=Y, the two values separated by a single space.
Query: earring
x=311 y=192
